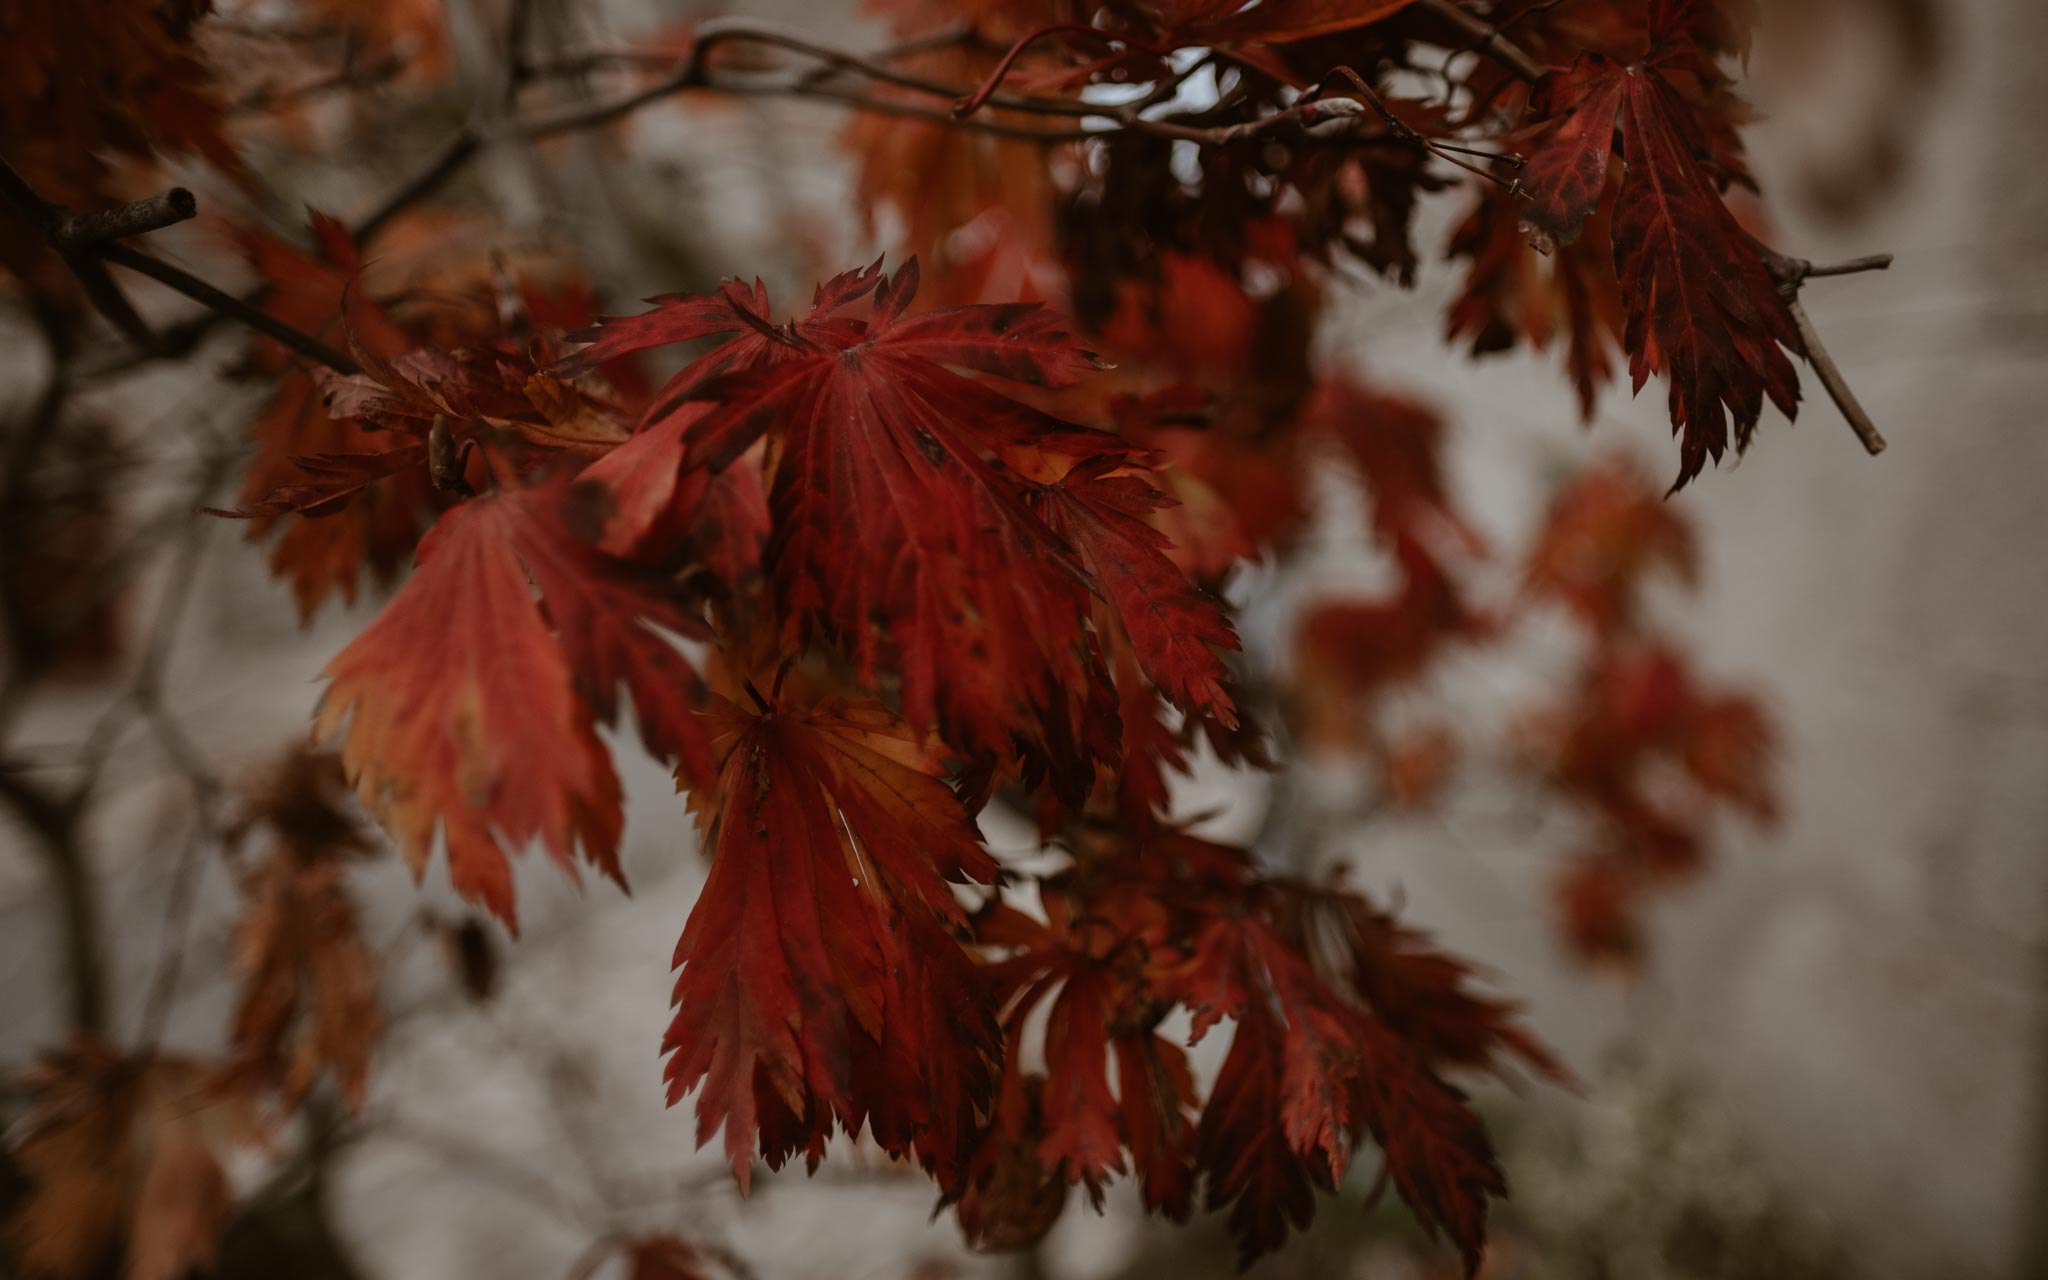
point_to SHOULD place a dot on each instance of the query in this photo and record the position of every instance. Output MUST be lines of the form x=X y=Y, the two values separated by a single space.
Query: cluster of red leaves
x=926 y=524
x=1343 y=1023
x=345 y=492
x=931 y=556
x=1696 y=301
x=1651 y=754
x=841 y=487
x=1642 y=746
x=1629 y=146
x=323 y=555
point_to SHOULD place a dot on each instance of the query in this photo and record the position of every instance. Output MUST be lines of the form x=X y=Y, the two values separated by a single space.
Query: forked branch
x=87 y=242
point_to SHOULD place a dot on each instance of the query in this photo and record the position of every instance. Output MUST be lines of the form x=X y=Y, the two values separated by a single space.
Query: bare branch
x=1487 y=38
x=444 y=165
x=87 y=243
x=53 y=824
x=1854 y=266
x=1792 y=275
x=52 y=819
x=89 y=230
x=227 y=304
x=1831 y=378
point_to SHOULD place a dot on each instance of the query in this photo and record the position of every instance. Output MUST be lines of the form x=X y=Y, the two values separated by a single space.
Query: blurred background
x=1833 y=1058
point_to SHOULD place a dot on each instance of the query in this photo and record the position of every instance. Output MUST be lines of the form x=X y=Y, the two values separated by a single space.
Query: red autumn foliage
x=1715 y=333
x=962 y=535
x=821 y=985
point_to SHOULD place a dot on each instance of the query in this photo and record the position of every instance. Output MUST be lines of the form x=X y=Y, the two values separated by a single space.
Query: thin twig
x=88 y=230
x=146 y=694
x=973 y=102
x=1792 y=275
x=178 y=902
x=1487 y=38
x=86 y=257
x=431 y=177
x=693 y=72
x=227 y=304
x=1852 y=267
x=1830 y=373
x=1404 y=131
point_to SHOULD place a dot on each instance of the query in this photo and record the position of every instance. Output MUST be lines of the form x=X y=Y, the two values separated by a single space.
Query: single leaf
x=469 y=715
x=1702 y=307
x=819 y=984
x=1174 y=629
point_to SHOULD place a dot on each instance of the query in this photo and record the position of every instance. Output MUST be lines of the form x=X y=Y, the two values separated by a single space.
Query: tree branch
x=89 y=230
x=52 y=819
x=1322 y=117
x=1487 y=38
x=227 y=304
x=1792 y=275
x=88 y=242
x=53 y=824
x=445 y=164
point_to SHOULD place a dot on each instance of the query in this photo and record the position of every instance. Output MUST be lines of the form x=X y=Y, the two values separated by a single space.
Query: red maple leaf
x=472 y=706
x=820 y=982
x=1702 y=305
x=1308 y=1077
x=1174 y=629
x=897 y=527
x=1103 y=964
